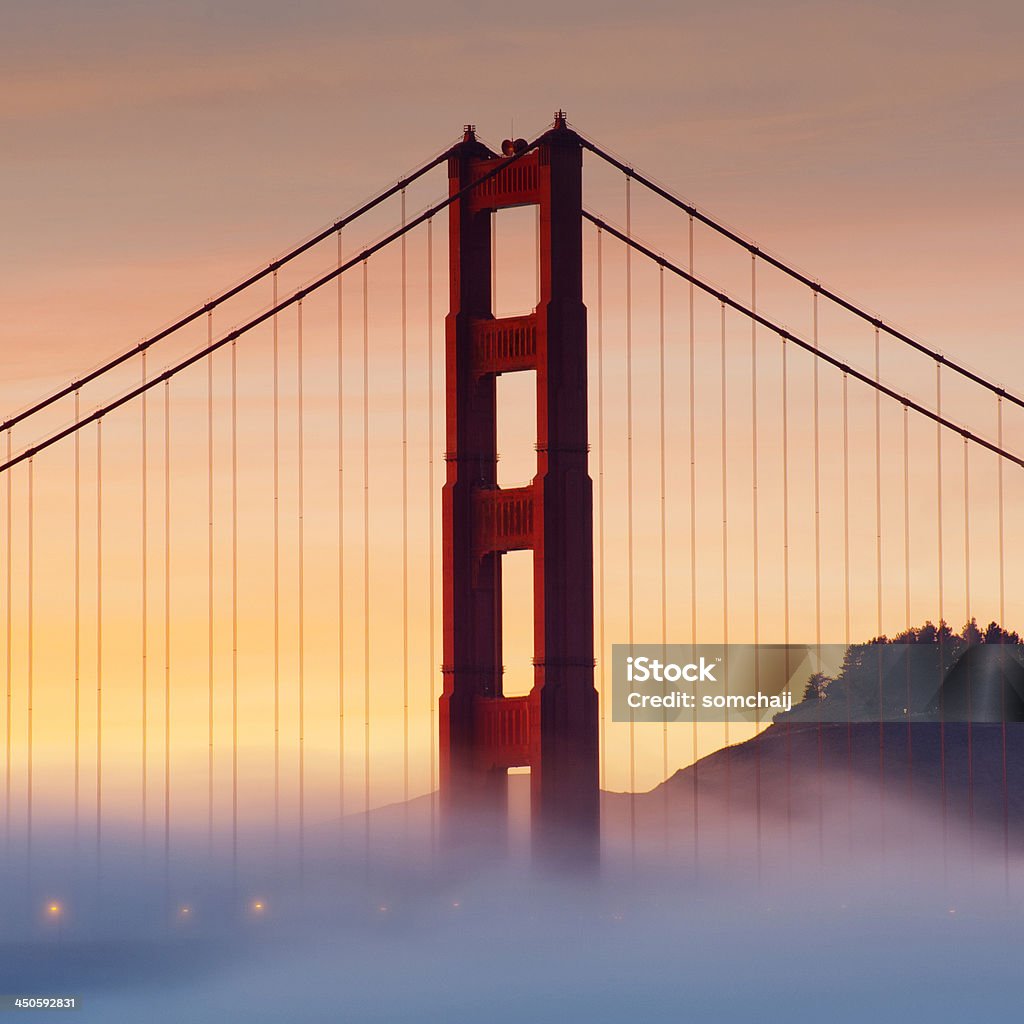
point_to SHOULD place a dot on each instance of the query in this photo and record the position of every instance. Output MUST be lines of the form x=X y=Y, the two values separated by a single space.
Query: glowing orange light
x=258 y=906
x=53 y=909
x=185 y=911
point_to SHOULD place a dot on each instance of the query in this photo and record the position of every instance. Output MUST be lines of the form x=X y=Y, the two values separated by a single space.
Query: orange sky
x=154 y=157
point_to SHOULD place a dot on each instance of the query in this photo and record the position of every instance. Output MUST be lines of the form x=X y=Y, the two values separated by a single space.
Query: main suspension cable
x=850 y=307
x=207 y=307
x=267 y=314
x=819 y=354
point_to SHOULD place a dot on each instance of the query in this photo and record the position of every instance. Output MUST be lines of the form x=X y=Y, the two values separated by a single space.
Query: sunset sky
x=154 y=154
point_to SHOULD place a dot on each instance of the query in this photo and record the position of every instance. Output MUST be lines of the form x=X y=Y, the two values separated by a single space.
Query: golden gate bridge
x=238 y=597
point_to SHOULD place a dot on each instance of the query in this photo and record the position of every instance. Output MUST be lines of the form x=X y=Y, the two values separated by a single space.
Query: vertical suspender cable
x=341 y=542
x=600 y=505
x=431 y=669
x=817 y=575
x=725 y=503
x=878 y=487
x=906 y=586
x=99 y=643
x=725 y=574
x=7 y=766
x=753 y=463
x=167 y=632
x=234 y=606
x=846 y=600
x=754 y=548
x=301 y=560
x=693 y=461
x=30 y=658
x=938 y=486
x=209 y=587
x=967 y=620
x=878 y=583
x=366 y=553
x=277 y=570
x=629 y=502
x=144 y=564
x=405 y=518
x=942 y=618
x=78 y=629
x=664 y=545
x=1003 y=564
x=817 y=491
x=693 y=530
x=967 y=534
x=785 y=579
x=846 y=509
x=906 y=514
x=1002 y=623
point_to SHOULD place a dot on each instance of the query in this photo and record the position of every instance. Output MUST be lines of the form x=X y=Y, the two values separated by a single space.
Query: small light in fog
x=185 y=911
x=258 y=906
x=952 y=910
x=53 y=910
x=383 y=908
x=456 y=904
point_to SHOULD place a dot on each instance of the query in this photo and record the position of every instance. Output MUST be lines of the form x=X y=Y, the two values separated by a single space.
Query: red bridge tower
x=553 y=730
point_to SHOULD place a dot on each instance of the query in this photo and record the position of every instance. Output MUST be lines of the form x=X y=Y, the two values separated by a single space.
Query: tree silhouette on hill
x=889 y=679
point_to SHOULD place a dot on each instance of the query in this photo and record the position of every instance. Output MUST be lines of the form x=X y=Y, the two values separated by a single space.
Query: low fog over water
x=844 y=890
